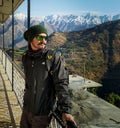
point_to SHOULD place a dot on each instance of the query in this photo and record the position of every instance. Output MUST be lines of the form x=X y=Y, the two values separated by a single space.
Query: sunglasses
x=40 y=38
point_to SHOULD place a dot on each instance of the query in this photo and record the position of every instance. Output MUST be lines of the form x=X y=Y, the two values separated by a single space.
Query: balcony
x=88 y=109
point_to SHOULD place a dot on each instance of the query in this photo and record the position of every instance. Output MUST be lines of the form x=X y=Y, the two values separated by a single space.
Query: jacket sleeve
x=61 y=82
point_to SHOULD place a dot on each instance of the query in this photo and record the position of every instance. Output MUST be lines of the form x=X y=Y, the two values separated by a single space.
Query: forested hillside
x=95 y=54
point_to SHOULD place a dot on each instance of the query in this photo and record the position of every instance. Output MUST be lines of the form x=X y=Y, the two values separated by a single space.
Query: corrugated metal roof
x=6 y=8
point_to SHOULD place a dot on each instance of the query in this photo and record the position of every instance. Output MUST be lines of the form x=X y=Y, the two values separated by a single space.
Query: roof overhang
x=6 y=8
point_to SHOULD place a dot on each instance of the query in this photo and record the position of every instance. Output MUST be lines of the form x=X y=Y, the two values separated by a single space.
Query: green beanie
x=33 y=31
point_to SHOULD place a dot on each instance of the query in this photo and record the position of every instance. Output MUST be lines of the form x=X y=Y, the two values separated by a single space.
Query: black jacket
x=45 y=83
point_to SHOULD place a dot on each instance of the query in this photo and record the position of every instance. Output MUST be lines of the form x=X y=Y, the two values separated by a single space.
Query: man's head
x=36 y=37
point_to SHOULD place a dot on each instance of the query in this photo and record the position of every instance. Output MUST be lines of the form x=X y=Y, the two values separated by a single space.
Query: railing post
x=12 y=43
x=28 y=9
x=3 y=38
x=3 y=41
x=13 y=121
x=4 y=45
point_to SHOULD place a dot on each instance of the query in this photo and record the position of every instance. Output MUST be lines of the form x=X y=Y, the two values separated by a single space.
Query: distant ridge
x=53 y=23
x=98 y=47
x=94 y=53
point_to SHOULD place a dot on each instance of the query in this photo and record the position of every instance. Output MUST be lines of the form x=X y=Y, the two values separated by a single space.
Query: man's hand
x=67 y=117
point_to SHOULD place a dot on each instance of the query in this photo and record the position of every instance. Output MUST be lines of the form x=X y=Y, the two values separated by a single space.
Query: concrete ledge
x=9 y=86
x=16 y=109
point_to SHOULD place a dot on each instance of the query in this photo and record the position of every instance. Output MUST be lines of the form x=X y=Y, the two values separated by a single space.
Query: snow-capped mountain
x=66 y=23
x=55 y=23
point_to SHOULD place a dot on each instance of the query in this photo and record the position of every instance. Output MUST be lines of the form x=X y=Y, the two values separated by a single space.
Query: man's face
x=39 y=42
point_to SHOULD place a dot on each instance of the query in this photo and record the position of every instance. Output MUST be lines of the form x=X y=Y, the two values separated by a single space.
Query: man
x=44 y=84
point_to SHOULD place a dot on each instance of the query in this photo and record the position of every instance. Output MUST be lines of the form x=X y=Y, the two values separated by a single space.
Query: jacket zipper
x=34 y=77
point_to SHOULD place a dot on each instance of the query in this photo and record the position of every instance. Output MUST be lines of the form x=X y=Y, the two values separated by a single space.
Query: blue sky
x=47 y=7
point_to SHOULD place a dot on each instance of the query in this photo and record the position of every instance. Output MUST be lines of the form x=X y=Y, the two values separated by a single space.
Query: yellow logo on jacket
x=49 y=57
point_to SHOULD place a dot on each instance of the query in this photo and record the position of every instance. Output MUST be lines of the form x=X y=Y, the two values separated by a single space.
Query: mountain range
x=89 y=43
x=94 y=53
x=53 y=23
x=67 y=23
